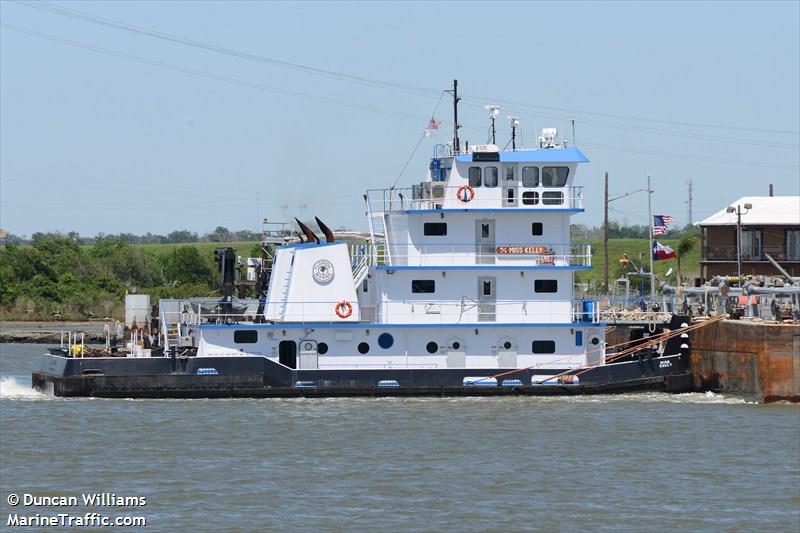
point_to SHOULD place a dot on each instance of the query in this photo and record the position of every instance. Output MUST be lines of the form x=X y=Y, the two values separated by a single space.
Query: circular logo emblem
x=323 y=271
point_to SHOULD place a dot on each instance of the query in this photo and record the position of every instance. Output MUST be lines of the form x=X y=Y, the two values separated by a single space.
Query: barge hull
x=259 y=377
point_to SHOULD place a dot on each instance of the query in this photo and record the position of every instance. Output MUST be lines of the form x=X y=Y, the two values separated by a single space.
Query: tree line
x=220 y=234
x=56 y=277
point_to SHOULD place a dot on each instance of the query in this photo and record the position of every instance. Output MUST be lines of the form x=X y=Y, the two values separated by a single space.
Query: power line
x=95 y=19
x=209 y=75
x=303 y=95
x=412 y=89
x=567 y=114
x=696 y=157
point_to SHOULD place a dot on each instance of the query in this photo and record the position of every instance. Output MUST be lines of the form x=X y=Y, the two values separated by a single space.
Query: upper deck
x=487 y=179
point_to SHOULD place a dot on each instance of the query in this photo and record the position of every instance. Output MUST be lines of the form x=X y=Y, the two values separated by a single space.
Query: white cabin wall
x=478 y=347
x=457 y=291
x=297 y=295
x=410 y=246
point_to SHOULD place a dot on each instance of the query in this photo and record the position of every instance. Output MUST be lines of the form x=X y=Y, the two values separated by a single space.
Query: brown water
x=643 y=462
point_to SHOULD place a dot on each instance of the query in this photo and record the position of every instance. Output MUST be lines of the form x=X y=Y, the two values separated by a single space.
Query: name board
x=521 y=250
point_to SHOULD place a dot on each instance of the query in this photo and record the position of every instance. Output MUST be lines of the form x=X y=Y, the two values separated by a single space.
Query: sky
x=156 y=116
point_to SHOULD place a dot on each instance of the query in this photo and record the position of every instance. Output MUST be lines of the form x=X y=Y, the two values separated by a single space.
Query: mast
x=454 y=92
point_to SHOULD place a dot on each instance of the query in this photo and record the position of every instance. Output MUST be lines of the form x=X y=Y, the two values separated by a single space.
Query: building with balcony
x=770 y=225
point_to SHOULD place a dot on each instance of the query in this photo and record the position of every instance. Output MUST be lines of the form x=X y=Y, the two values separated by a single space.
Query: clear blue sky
x=93 y=142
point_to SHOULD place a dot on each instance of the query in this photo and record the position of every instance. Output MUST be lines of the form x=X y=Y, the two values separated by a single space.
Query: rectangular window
x=793 y=244
x=554 y=176
x=544 y=347
x=545 y=285
x=578 y=338
x=475 y=176
x=490 y=177
x=423 y=286
x=751 y=244
x=536 y=228
x=530 y=176
x=245 y=336
x=530 y=198
x=487 y=288
x=510 y=173
x=552 y=198
x=434 y=229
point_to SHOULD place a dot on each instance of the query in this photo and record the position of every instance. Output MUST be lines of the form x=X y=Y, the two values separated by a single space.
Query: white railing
x=576 y=254
x=362 y=256
x=468 y=310
x=436 y=195
x=465 y=310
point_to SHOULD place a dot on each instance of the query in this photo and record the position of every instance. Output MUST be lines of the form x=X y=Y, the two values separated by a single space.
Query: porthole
x=322 y=348
x=595 y=341
x=363 y=348
x=507 y=345
x=432 y=347
x=385 y=340
x=456 y=345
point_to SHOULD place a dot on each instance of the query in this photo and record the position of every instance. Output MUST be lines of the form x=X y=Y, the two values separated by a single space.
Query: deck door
x=484 y=242
x=487 y=299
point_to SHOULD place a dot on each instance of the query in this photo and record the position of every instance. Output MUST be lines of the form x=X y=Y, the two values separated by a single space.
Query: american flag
x=661 y=224
x=433 y=124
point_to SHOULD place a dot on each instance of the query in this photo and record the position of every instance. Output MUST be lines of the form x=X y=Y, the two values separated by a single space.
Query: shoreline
x=50 y=332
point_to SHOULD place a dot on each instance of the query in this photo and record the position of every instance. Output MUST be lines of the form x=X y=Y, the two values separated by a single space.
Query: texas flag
x=661 y=251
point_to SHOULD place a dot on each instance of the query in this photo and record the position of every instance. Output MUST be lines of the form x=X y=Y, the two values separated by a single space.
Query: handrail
x=436 y=195
x=501 y=253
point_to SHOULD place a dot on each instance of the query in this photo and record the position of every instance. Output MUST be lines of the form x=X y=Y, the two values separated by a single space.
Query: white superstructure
x=471 y=268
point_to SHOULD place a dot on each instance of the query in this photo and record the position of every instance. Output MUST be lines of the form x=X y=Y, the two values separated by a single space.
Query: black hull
x=258 y=377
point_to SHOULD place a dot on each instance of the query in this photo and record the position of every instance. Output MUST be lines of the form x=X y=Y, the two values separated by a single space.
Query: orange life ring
x=344 y=309
x=465 y=193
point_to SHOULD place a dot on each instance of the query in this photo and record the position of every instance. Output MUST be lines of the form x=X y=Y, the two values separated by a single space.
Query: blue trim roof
x=542 y=155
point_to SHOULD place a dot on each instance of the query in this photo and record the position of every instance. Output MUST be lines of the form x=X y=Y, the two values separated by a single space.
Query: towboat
x=464 y=285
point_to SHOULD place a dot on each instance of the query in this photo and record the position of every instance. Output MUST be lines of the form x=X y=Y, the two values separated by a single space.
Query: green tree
x=186 y=264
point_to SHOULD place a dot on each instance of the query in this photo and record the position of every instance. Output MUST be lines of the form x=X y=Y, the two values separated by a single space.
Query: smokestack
x=770 y=190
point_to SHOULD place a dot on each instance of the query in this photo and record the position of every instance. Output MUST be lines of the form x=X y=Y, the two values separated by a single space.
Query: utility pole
x=689 y=202
x=605 y=239
x=739 y=213
x=650 y=225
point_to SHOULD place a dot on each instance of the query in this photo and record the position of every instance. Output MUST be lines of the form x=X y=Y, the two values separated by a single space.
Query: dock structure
x=755 y=359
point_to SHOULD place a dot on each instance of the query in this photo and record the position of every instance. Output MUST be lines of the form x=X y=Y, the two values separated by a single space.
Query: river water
x=637 y=462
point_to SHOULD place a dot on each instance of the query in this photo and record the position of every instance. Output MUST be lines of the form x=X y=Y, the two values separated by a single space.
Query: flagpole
x=650 y=225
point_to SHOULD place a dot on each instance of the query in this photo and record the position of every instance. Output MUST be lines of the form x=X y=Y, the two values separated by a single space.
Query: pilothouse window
x=530 y=176
x=554 y=176
x=490 y=177
x=475 y=176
